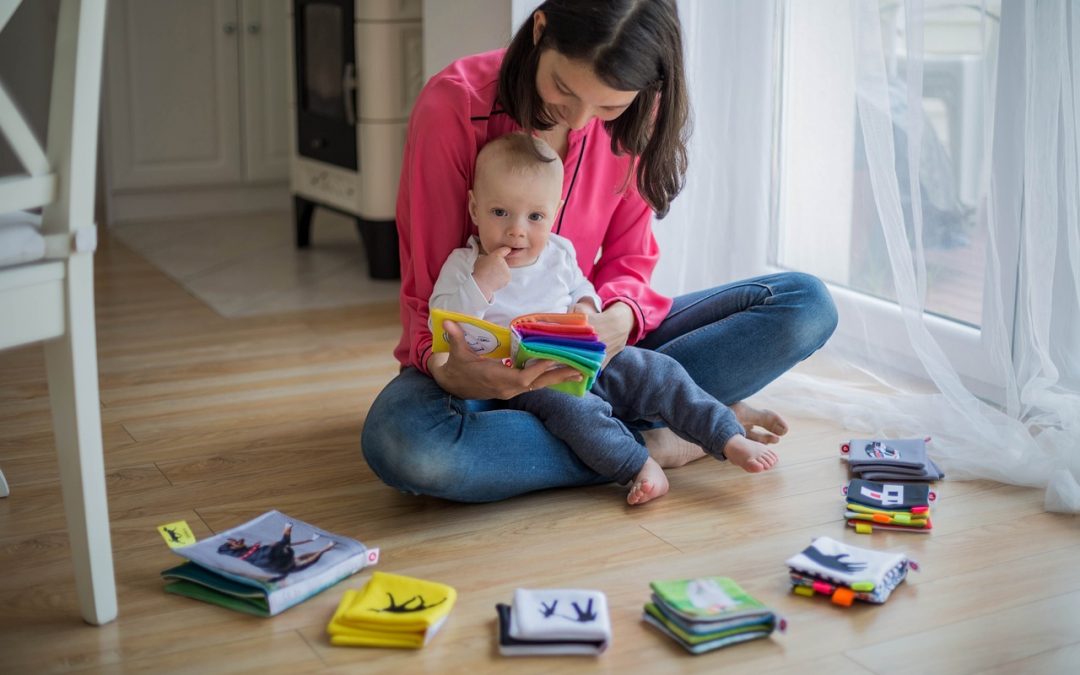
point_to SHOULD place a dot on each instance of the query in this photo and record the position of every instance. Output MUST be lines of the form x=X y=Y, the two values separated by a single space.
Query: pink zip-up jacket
x=609 y=223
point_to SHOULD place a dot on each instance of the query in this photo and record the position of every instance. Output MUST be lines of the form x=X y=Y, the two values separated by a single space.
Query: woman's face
x=572 y=92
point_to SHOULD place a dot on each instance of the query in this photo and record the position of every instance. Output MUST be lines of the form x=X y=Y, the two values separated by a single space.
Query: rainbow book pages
x=565 y=338
x=708 y=613
x=266 y=565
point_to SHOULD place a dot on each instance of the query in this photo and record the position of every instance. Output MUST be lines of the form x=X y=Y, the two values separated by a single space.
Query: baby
x=518 y=266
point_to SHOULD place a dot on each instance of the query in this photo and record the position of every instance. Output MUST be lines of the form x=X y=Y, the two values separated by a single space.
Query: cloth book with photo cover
x=554 y=621
x=568 y=339
x=845 y=572
x=707 y=613
x=888 y=506
x=391 y=610
x=891 y=459
x=266 y=565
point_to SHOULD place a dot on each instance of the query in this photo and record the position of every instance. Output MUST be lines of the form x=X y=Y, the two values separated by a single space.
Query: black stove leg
x=381 y=244
x=303 y=210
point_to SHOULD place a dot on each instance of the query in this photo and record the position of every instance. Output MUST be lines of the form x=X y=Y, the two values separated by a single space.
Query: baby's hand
x=491 y=271
x=583 y=306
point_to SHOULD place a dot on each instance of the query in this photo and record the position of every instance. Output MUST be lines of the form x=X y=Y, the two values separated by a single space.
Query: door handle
x=348 y=92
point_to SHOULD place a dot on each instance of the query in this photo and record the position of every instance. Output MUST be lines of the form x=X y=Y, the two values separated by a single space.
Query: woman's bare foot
x=772 y=424
x=669 y=450
x=750 y=455
x=650 y=483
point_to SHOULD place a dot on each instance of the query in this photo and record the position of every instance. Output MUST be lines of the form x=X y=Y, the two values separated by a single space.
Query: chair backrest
x=60 y=177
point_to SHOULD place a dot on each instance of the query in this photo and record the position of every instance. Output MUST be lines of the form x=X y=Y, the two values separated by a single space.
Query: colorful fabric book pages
x=903 y=507
x=833 y=568
x=265 y=565
x=391 y=610
x=891 y=459
x=555 y=621
x=564 y=338
x=707 y=613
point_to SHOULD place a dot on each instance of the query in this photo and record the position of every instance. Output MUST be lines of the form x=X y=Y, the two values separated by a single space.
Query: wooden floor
x=214 y=421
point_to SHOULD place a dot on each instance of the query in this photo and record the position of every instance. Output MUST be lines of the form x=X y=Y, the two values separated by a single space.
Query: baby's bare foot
x=650 y=483
x=749 y=455
x=750 y=417
x=669 y=450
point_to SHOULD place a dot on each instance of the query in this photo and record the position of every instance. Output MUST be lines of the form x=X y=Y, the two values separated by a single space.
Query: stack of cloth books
x=391 y=611
x=554 y=621
x=564 y=338
x=708 y=613
x=899 y=459
x=903 y=507
x=847 y=573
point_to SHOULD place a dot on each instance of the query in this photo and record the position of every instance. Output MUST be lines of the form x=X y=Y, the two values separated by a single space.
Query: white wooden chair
x=51 y=299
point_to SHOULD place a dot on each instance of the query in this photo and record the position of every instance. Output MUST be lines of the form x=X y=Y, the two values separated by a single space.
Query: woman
x=602 y=82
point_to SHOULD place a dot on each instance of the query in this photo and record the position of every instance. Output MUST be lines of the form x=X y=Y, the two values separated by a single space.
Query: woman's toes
x=762 y=436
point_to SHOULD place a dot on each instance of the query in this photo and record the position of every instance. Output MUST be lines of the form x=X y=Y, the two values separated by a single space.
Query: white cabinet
x=196 y=106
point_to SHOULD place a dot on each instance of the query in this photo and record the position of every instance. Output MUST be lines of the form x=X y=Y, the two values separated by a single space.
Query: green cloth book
x=266 y=565
x=708 y=613
x=697 y=644
x=712 y=599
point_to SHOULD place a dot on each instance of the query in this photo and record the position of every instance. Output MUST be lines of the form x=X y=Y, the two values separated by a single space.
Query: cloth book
x=565 y=338
x=707 y=613
x=888 y=460
x=554 y=621
x=846 y=572
x=391 y=610
x=266 y=565
x=889 y=506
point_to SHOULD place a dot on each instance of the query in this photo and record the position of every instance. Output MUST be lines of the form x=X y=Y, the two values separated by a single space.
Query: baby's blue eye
x=498 y=213
x=536 y=217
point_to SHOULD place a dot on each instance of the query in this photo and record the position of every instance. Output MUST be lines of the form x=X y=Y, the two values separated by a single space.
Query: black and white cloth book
x=892 y=459
x=555 y=621
x=837 y=562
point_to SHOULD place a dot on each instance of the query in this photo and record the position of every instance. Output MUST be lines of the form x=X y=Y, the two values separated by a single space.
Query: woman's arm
x=621 y=276
x=431 y=207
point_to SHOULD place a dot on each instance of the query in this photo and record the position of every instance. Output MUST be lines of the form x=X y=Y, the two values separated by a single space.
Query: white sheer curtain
x=1023 y=207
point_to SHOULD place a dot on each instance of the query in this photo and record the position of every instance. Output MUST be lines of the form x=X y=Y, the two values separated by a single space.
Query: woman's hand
x=613 y=326
x=465 y=374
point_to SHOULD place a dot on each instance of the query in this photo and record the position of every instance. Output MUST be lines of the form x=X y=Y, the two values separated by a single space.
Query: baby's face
x=515 y=209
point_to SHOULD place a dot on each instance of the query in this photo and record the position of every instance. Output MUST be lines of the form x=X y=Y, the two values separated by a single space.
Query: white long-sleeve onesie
x=554 y=283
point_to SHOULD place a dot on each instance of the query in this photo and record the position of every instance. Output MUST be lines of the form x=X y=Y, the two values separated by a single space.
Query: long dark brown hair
x=632 y=45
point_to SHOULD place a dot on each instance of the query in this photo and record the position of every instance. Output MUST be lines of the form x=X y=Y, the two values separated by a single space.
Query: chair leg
x=4 y=490
x=71 y=362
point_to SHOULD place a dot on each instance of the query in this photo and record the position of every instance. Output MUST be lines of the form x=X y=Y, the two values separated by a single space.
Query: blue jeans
x=637 y=386
x=732 y=340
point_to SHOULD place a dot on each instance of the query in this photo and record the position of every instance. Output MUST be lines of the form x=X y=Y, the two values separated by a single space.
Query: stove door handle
x=348 y=92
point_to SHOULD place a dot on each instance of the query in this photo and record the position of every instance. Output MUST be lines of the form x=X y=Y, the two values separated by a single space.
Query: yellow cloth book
x=391 y=611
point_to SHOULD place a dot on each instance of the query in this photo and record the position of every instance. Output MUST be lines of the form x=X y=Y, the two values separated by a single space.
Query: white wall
x=463 y=27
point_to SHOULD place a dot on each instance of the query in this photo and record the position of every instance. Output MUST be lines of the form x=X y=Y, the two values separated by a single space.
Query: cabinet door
x=173 y=93
x=265 y=80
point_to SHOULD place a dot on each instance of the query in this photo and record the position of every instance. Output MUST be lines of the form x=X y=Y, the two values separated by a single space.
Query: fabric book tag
x=177 y=534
